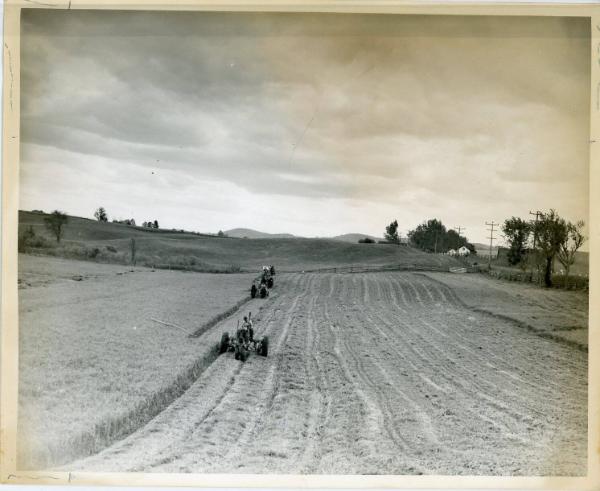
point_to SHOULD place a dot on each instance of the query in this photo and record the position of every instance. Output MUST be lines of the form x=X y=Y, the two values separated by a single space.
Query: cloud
x=398 y=115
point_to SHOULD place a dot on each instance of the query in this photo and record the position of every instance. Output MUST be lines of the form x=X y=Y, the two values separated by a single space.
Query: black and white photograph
x=296 y=243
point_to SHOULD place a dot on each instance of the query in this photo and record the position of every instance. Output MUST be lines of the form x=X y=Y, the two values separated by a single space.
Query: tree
x=221 y=234
x=430 y=236
x=155 y=225
x=572 y=242
x=453 y=240
x=391 y=233
x=101 y=215
x=551 y=232
x=516 y=231
x=55 y=223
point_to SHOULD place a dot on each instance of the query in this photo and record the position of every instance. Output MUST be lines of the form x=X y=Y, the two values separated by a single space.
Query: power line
x=459 y=229
x=492 y=238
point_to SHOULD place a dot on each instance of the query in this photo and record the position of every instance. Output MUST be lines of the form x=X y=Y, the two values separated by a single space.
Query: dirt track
x=382 y=373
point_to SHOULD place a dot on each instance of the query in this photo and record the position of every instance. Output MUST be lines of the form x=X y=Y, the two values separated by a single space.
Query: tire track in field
x=439 y=389
x=370 y=385
x=320 y=395
x=523 y=402
x=531 y=376
x=522 y=376
x=469 y=380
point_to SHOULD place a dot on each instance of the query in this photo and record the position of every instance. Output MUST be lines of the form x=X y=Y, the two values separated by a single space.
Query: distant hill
x=248 y=233
x=111 y=243
x=354 y=237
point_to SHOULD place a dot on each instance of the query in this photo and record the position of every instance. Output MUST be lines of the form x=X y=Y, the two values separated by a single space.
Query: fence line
x=388 y=267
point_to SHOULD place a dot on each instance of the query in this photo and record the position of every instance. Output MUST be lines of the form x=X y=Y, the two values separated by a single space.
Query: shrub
x=29 y=240
x=92 y=253
x=111 y=249
x=366 y=240
x=25 y=238
x=573 y=282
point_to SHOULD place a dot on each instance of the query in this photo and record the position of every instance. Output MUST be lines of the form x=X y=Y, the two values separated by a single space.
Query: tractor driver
x=242 y=334
x=247 y=325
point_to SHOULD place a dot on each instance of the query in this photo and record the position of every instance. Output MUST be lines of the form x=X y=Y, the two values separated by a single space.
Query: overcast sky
x=309 y=124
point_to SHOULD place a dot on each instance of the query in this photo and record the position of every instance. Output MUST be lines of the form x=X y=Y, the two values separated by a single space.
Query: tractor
x=242 y=344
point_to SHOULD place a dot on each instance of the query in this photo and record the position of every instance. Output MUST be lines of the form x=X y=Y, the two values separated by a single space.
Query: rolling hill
x=248 y=233
x=111 y=243
x=354 y=237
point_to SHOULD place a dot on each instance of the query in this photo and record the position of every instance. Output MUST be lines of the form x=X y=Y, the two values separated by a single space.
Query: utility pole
x=537 y=262
x=537 y=215
x=459 y=229
x=491 y=237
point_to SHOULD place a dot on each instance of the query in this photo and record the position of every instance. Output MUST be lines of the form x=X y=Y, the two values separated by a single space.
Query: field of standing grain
x=92 y=357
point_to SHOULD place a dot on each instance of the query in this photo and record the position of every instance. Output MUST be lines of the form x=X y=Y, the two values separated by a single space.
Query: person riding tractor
x=243 y=343
x=247 y=325
x=264 y=292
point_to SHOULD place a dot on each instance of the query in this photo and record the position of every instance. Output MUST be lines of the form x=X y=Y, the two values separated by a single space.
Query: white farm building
x=464 y=251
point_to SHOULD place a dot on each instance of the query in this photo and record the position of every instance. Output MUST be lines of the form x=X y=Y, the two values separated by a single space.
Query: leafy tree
x=551 y=231
x=55 y=223
x=572 y=242
x=221 y=234
x=391 y=233
x=155 y=224
x=430 y=236
x=101 y=215
x=517 y=231
x=453 y=240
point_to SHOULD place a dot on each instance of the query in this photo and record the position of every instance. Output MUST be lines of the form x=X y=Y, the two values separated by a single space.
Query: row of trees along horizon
x=533 y=245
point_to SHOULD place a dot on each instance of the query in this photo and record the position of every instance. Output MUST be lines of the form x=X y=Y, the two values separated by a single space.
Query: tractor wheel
x=270 y=283
x=264 y=346
x=243 y=354
x=237 y=355
x=224 y=344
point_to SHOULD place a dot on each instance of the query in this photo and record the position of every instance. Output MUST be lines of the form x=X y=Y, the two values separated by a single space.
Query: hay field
x=376 y=373
x=93 y=364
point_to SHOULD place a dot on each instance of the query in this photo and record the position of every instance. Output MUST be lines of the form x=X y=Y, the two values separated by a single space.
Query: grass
x=110 y=243
x=93 y=365
x=552 y=313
